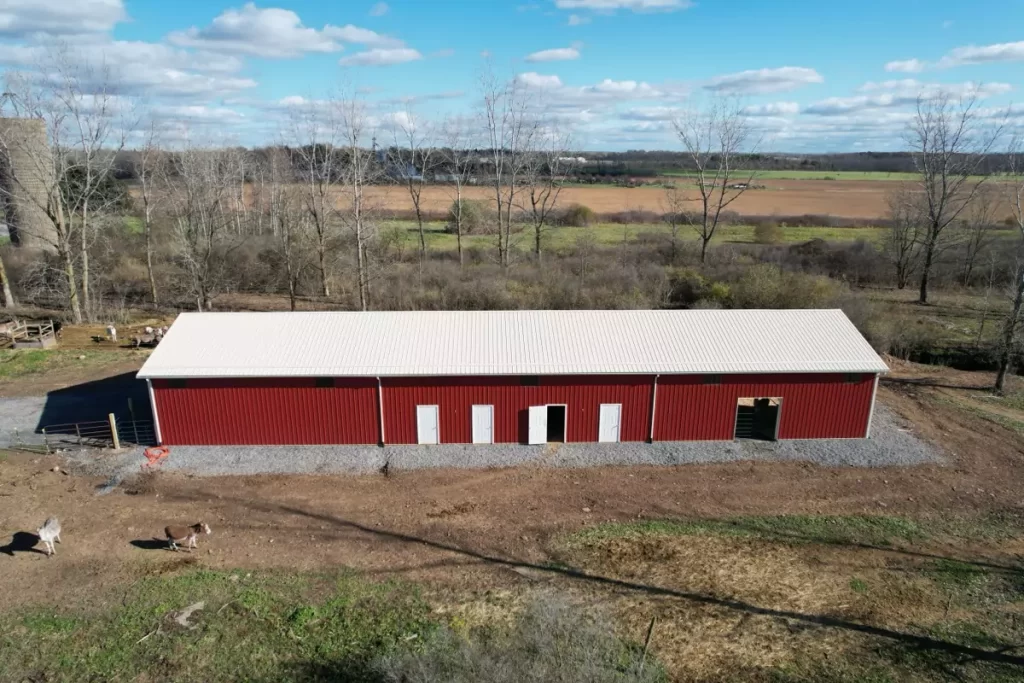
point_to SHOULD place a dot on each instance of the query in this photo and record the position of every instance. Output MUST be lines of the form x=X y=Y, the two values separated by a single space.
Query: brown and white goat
x=185 y=535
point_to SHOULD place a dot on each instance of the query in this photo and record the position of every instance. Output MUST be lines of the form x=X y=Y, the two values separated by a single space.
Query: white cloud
x=559 y=54
x=273 y=32
x=363 y=36
x=633 y=5
x=197 y=114
x=380 y=9
x=761 y=81
x=59 y=17
x=910 y=66
x=141 y=68
x=382 y=57
x=577 y=20
x=983 y=54
x=773 y=109
x=902 y=93
x=532 y=79
x=965 y=56
x=649 y=114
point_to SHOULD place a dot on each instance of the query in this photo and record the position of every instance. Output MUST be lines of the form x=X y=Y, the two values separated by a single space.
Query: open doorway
x=758 y=418
x=556 y=424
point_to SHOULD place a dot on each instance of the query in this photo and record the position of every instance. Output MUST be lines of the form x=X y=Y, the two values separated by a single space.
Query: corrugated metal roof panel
x=402 y=344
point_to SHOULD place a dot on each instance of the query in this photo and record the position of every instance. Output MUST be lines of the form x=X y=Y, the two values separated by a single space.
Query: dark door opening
x=556 y=424
x=758 y=418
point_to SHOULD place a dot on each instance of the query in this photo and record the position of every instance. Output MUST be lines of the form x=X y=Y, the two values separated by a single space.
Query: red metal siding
x=813 y=406
x=455 y=397
x=283 y=411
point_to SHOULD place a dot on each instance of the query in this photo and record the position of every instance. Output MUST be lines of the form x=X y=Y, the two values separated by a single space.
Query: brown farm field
x=861 y=199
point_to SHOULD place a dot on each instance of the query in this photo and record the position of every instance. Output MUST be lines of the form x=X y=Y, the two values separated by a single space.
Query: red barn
x=510 y=376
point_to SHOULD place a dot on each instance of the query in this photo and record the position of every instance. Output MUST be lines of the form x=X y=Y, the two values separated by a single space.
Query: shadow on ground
x=22 y=542
x=894 y=638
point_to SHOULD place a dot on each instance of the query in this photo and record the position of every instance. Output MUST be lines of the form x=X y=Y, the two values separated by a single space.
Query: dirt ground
x=464 y=526
x=846 y=199
x=485 y=537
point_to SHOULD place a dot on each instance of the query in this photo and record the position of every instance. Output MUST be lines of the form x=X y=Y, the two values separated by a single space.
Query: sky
x=811 y=76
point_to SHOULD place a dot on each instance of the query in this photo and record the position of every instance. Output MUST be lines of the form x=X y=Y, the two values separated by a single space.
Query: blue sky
x=812 y=75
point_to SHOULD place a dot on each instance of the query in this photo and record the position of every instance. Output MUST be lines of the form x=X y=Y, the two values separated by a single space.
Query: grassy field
x=608 y=234
x=23 y=363
x=906 y=599
x=813 y=175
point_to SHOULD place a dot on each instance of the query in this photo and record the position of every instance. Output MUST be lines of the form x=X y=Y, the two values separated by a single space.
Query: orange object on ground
x=155 y=455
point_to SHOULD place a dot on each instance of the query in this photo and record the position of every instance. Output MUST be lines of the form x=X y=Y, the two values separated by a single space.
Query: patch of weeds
x=954 y=574
x=858 y=585
x=49 y=623
x=826 y=529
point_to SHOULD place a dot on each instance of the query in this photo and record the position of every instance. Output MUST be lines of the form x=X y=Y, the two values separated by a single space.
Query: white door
x=611 y=417
x=538 y=424
x=426 y=424
x=483 y=424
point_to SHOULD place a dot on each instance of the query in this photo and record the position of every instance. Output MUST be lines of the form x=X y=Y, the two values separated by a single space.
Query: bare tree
x=5 y=285
x=288 y=218
x=975 y=230
x=713 y=139
x=415 y=159
x=903 y=241
x=547 y=168
x=80 y=113
x=675 y=216
x=201 y=188
x=316 y=132
x=1009 y=342
x=150 y=165
x=96 y=125
x=948 y=142
x=510 y=133
x=358 y=171
x=458 y=160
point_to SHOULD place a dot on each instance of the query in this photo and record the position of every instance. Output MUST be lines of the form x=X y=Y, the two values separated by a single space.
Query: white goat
x=185 y=535
x=48 y=533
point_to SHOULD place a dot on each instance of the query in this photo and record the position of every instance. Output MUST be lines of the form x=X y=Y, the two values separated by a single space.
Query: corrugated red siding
x=285 y=411
x=455 y=396
x=813 y=406
x=296 y=411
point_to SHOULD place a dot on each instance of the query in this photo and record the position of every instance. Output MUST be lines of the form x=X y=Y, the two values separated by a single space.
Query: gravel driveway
x=892 y=443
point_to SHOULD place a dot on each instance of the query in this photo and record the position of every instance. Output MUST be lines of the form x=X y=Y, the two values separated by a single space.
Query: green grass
x=858 y=585
x=875 y=531
x=133 y=225
x=257 y=627
x=952 y=574
x=810 y=175
x=607 y=234
x=19 y=363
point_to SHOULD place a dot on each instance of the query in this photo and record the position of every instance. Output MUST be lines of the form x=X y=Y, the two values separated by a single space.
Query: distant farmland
x=860 y=199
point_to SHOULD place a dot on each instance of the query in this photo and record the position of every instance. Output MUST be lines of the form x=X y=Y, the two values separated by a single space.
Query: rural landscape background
x=258 y=158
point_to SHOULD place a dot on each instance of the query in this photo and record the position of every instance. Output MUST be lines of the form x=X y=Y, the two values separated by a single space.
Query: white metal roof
x=402 y=344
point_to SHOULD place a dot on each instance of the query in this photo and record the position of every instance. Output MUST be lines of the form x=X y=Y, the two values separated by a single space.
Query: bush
x=768 y=233
x=549 y=642
x=577 y=216
x=767 y=286
x=474 y=216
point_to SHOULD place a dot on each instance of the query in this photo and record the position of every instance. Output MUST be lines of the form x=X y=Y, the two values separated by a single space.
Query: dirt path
x=448 y=527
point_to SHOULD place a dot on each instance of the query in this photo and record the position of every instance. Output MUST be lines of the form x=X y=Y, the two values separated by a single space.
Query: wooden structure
x=37 y=335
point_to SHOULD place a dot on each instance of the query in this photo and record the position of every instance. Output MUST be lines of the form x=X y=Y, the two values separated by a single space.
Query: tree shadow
x=908 y=641
x=928 y=382
x=22 y=542
x=150 y=544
